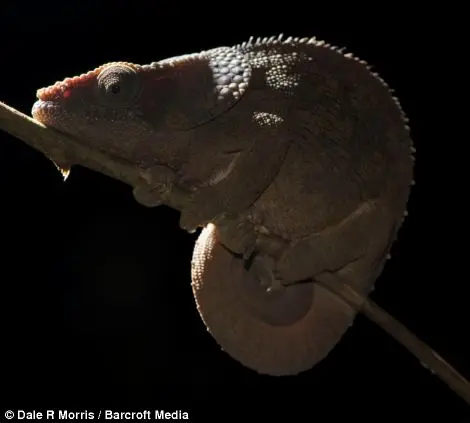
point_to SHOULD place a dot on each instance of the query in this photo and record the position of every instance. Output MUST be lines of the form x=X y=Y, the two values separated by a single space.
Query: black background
x=97 y=304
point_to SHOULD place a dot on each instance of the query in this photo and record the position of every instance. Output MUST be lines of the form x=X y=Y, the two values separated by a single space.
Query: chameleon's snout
x=44 y=111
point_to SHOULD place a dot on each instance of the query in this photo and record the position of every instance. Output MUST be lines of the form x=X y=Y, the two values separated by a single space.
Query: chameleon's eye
x=118 y=84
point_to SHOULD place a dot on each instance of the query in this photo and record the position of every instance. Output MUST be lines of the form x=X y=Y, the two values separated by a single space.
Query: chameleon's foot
x=157 y=182
x=146 y=197
x=271 y=329
x=262 y=268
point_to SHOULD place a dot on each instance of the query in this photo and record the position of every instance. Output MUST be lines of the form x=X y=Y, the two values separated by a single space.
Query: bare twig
x=66 y=151
x=425 y=354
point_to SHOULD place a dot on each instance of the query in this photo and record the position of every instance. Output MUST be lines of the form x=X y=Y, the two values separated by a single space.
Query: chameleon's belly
x=306 y=197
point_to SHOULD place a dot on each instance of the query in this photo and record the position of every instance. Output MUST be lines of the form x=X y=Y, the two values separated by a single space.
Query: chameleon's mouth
x=44 y=111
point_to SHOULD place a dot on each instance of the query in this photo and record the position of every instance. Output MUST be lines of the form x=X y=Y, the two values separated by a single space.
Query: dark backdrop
x=97 y=304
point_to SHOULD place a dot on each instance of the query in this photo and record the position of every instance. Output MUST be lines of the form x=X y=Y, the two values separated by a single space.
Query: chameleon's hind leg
x=363 y=238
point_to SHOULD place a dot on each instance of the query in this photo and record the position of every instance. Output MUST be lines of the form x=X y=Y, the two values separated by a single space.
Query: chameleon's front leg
x=277 y=332
x=245 y=178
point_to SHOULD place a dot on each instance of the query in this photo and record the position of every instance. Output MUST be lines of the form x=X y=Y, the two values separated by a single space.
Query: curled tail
x=280 y=332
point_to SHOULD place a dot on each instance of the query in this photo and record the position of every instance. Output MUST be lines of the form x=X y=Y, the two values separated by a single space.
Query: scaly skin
x=296 y=153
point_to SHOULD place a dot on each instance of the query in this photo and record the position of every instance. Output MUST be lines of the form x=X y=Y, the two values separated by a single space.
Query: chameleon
x=294 y=159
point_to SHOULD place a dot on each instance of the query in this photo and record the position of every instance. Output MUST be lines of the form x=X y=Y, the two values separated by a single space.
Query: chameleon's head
x=119 y=105
x=105 y=104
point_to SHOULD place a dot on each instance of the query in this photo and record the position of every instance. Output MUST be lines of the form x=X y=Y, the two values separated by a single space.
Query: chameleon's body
x=298 y=155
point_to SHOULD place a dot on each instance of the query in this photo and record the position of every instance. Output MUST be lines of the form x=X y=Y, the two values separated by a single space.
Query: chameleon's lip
x=44 y=110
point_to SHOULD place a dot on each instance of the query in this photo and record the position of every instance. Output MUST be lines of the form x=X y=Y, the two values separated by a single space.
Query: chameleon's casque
x=294 y=157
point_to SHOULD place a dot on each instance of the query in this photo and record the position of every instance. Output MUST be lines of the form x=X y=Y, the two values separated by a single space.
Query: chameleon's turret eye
x=118 y=84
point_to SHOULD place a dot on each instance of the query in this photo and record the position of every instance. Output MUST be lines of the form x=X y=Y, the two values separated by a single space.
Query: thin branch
x=425 y=354
x=66 y=151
